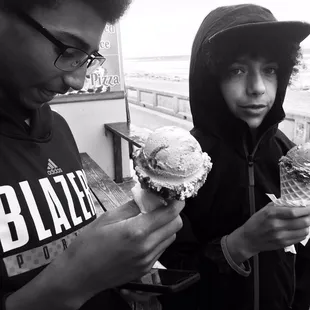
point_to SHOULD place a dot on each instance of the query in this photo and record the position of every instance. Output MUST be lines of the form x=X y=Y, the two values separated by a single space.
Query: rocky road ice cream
x=171 y=165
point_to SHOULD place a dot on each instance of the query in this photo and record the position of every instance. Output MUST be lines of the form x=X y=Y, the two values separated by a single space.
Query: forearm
x=230 y=253
x=302 y=267
x=48 y=291
x=187 y=253
x=239 y=249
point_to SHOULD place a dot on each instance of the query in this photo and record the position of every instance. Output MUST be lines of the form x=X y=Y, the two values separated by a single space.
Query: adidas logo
x=52 y=168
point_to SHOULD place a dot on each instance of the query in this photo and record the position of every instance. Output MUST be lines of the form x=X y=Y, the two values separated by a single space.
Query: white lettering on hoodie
x=14 y=232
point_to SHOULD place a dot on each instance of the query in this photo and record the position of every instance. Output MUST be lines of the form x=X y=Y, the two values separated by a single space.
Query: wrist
x=32 y=297
x=238 y=246
x=49 y=291
x=67 y=289
x=243 y=269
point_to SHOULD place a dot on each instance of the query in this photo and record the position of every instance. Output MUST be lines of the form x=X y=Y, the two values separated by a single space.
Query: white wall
x=288 y=127
x=86 y=120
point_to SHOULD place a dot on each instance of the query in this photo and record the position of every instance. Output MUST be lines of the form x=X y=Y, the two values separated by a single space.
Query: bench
x=107 y=195
x=135 y=136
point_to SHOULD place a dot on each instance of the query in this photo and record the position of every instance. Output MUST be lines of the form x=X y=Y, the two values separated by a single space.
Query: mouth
x=254 y=107
x=253 y=110
x=49 y=93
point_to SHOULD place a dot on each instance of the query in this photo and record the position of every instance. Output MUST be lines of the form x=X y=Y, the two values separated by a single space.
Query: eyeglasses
x=70 y=58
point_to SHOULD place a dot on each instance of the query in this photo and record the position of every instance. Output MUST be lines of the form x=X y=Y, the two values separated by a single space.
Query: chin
x=34 y=98
x=253 y=124
x=31 y=105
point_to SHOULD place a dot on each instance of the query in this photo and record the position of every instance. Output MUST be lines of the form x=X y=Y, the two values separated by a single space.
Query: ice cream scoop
x=171 y=164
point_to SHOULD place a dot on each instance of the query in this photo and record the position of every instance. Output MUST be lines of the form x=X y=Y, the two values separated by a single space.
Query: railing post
x=300 y=130
x=156 y=99
x=138 y=96
x=176 y=107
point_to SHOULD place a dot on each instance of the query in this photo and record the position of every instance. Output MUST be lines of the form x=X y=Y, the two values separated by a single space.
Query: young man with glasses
x=54 y=253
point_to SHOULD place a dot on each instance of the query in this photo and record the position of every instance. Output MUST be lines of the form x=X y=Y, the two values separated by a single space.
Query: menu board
x=108 y=78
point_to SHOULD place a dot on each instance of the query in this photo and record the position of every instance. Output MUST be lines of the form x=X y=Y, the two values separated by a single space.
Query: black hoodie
x=224 y=203
x=44 y=198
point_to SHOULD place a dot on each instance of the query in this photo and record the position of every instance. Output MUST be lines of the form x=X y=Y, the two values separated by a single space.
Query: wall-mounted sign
x=108 y=77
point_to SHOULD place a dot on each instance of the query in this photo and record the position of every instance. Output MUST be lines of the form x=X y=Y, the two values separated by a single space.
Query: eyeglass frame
x=63 y=47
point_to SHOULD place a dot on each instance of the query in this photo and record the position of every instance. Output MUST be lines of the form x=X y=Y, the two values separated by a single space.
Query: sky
x=168 y=27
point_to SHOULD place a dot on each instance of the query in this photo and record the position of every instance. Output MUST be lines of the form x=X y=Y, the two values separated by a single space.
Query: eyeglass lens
x=94 y=65
x=73 y=58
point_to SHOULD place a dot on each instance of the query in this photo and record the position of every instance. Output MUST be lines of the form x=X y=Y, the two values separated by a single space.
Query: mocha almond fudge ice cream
x=171 y=165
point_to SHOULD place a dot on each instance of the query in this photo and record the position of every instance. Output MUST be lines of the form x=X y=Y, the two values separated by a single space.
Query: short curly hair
x=110 y=10
x=287 y=54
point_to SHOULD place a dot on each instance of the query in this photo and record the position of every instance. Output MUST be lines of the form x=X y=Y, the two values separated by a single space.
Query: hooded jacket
x=44 y=198
x=241 y=176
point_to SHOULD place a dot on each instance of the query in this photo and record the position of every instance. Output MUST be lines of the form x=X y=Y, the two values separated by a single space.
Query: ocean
x=173 y=67
x=176 y=68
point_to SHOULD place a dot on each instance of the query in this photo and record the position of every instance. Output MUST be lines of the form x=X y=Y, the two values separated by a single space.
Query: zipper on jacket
x=294 y=284
x=250 y=160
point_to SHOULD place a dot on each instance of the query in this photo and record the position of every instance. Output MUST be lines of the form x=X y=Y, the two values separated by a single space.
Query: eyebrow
x=79 y=41
x=258 y=57
x=243 y=60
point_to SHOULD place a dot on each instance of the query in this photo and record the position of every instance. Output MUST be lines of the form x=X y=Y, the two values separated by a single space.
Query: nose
x=255 y=84
x=76 y=78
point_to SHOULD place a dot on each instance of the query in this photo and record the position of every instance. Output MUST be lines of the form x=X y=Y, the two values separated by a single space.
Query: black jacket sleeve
x=302 y=293
x=188 y=253
x=185 y=252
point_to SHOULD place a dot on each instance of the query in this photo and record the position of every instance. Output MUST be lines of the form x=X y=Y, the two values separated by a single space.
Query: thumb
x=176 y=204
x=121 y=213
x=137 y=296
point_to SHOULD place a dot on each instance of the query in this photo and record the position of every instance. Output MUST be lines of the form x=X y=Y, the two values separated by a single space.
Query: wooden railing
x=168 y=103
x=296 y=125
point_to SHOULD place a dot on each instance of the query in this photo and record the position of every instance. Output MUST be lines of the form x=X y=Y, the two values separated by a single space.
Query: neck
x=251 y=139
x=253 y=135
x=12 y=105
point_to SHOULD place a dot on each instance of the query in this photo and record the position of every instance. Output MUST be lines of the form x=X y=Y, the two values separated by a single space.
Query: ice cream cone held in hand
x=170 y=166
x=295 y=180
x=295 y=175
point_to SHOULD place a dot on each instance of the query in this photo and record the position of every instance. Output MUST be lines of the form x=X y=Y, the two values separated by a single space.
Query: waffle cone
x=146 y=200
x=292 y=190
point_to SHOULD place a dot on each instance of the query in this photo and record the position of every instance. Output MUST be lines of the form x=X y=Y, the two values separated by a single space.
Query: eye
x=271 y=70
x=74 y=54
x=76 y=63
x=69 y=54
x=235 y=71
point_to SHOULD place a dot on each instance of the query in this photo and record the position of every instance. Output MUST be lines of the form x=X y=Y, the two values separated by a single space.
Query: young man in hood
x=242 y=60
x=54 y=253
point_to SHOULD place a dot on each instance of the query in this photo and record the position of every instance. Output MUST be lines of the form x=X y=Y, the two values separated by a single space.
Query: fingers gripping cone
x=146 y=200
